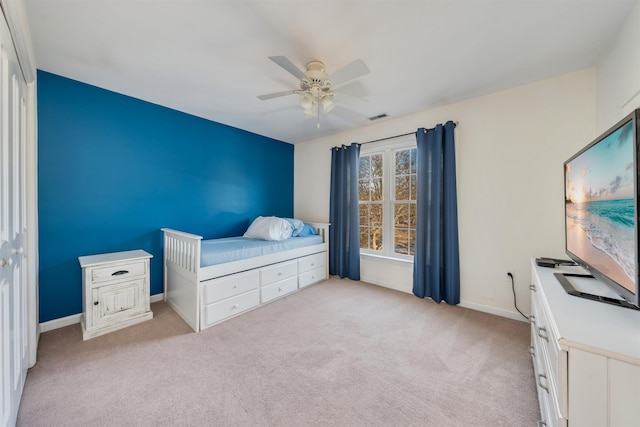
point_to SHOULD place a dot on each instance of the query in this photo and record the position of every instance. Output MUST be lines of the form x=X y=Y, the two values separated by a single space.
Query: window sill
x=387 y=258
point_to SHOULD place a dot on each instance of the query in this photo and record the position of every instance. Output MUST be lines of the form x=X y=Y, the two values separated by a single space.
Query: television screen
x=601 y=208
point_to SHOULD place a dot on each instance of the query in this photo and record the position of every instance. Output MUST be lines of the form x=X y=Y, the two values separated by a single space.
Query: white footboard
x=182 y=274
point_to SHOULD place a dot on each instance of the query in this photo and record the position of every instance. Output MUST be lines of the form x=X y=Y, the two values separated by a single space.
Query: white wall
x=618 y=74
x=510 y=148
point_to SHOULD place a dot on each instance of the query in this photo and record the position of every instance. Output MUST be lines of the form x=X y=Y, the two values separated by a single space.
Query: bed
x=209 y=281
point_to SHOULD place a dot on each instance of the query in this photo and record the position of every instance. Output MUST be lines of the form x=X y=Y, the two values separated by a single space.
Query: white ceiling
x=210 y=58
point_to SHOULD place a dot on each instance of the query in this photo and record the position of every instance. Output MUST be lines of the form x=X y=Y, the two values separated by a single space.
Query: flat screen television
x=601 y=208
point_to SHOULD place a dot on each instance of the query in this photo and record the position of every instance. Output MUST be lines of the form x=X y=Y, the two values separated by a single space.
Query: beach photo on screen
x=599 y=206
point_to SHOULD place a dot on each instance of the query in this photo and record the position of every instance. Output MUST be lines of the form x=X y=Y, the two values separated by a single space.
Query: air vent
x=379 y=116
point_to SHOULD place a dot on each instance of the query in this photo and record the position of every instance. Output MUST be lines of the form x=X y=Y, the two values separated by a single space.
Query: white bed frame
x=184 y=279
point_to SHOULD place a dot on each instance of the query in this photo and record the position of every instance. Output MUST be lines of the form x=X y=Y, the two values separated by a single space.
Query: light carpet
x=339 y=353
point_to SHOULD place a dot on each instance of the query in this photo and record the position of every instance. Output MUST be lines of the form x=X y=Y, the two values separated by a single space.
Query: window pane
x=364 y=168
x=412 y=242
x=401 y=215
x=364 y=237
x=375 y=237
x=402 y=188
x=376 y=215
x=363 y=209
x=376 y=165
x=414 y=153
x=412 y=215
x=403 y=162
x=413 y=194
x=376 y=189
x=401 y=241
x=363 y=190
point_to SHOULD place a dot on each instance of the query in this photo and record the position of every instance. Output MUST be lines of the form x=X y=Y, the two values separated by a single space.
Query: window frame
x=388 y=148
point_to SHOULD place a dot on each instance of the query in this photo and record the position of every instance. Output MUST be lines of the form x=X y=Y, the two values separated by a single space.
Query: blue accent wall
x=113 y=170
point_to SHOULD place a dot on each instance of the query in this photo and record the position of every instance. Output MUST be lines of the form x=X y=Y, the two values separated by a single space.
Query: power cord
x=513 y=288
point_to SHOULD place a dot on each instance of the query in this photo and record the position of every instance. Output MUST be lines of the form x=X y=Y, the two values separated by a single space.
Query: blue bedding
x=219 y=251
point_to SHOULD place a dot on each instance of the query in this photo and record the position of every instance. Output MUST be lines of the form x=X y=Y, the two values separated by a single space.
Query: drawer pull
x=533 y=288
x=532 y=319
x=235 y=306
x=544 y=336
x=119 y=273
x=532 y=351
x=280 y=273
x=96 y=303
x=542 y=386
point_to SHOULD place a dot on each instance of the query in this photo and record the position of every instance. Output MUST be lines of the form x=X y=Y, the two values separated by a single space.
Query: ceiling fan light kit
x=316 y=87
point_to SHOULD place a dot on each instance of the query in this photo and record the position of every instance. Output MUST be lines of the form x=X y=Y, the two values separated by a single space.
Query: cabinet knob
x=18 y=251
x=95 y=303
x=7 y=262
x=533 y=288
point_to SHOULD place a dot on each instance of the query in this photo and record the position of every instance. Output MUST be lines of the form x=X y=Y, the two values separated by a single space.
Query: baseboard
x=492 y=310
x=60 y=323
x=75 y=318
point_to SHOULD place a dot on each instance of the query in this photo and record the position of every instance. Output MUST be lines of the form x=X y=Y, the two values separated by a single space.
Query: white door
x=13 y=286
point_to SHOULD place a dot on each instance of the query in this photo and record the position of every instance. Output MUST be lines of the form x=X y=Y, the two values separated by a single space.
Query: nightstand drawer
x=118 y=272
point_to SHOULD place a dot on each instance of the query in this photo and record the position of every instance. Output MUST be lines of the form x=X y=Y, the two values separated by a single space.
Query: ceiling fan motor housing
x=316 y=72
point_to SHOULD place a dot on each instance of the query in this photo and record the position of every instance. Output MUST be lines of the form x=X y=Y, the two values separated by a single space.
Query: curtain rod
x=395 y=136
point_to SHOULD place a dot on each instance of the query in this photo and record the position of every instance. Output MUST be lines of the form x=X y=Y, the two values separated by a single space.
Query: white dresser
x=115 y=291
x=586 y=356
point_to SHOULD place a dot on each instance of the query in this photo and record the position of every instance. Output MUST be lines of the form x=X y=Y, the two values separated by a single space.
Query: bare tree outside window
x=370 y=195
x=404 y=203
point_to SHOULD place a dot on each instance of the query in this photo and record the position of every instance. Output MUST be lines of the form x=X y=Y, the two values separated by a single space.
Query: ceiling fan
x=316 y=86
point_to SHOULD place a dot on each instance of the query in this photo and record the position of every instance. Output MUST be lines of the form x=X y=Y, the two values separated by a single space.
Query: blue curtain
x=436 y=263
x=344 y=233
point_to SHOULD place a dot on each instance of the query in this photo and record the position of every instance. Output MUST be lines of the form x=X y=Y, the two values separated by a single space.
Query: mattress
x=228 y=249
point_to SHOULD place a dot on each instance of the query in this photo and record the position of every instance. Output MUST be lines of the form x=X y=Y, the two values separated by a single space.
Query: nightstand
x=115 y=291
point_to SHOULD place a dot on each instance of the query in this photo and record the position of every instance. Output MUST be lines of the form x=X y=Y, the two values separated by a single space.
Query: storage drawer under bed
x=228 y=307
x=225 y=287
x=275 y=273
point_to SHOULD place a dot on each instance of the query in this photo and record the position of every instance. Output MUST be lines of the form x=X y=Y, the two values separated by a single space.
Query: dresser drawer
x=311 y=277
x=277 y=272
x=279 y=289
x=218 y=289
x=312 y=262
x=231 y=306
x=547 y=341
x=118 y=272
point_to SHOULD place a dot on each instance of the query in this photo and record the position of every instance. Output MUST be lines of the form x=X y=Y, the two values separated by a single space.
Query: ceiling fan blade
x=350 y=101
x=349 y=72
x=276 y=94
x=284 y=62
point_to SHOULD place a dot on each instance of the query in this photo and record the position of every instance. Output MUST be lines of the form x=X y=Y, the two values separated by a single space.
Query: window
x=387 y=198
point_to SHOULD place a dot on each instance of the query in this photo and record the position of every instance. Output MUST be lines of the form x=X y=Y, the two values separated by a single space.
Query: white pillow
x=269 y=228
